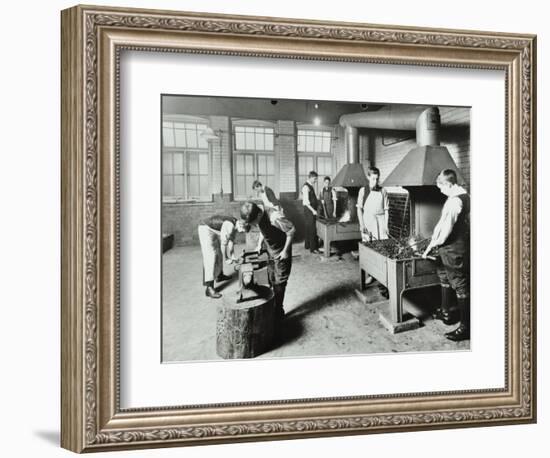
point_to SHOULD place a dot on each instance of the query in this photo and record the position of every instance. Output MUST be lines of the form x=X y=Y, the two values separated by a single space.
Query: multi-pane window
x=184 y=161
x=254 y=138
x=183 y=135
x=314 y=153
x=254 y=159
x=314 y=141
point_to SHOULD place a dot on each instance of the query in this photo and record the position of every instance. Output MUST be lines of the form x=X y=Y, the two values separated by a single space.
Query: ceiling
x=305 y=111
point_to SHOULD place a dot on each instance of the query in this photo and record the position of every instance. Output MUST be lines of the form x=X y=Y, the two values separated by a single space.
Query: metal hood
x=421 y=166
x=352 y=174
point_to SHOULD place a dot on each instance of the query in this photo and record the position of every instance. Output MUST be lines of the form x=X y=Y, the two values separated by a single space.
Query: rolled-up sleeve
x=227 y=232
x=284 y=224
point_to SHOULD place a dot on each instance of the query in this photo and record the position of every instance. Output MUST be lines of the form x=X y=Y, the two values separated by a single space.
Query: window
x=314 y=141
x=314 y=153
x=184 y=161
x=254 y=159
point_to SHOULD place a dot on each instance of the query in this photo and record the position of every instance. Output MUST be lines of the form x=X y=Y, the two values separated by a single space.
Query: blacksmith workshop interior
x=214 y=148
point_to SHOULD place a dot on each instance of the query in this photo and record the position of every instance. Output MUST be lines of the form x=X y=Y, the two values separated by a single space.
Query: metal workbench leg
x=393 y=318
x=395 y=286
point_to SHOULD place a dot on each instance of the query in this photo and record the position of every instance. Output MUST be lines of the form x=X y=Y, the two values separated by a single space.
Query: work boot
x=463 y=330
x=211 y=292
x=222 y=277
x=445 y=312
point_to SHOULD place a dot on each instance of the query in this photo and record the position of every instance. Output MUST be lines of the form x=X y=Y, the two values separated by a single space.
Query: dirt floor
x=324 y=315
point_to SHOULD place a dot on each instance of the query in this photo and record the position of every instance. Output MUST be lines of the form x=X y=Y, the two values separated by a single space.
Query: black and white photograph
x=309 y=228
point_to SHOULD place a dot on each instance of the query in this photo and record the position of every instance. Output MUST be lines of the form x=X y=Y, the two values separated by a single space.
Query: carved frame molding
x=92 y=39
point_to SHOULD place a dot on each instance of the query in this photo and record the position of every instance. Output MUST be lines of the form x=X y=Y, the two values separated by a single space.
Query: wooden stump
x=246 y=329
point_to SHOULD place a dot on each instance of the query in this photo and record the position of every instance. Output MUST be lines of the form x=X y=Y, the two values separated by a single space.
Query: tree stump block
x=246 y=329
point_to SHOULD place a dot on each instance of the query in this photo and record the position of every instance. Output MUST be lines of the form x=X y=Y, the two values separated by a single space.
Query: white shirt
x=449 y=215
x=278 y=219
x=227 y=232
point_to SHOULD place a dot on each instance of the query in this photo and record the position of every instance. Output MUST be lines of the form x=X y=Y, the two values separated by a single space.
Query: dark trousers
x=454 y=268
x=278 y=271
x=310 y=242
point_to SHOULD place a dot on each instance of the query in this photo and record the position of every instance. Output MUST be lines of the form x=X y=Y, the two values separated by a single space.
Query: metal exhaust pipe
x=425 y=121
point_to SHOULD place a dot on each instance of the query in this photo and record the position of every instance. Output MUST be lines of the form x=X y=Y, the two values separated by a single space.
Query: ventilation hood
x=421 y=166
x=352 y=174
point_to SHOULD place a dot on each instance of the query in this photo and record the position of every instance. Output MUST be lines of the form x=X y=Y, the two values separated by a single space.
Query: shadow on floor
x=293 y=327
x=319 y=302
x=291 y=331
x=219 y=288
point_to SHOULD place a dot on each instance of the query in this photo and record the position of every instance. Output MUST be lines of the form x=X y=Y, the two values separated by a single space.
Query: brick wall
x=455 y=135
x=338 y=148
x=286 y=151
x=182 y=219
x=221 y=156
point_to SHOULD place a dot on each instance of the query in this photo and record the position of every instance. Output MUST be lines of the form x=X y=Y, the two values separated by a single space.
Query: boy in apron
x=328 y=200
x=373 y=210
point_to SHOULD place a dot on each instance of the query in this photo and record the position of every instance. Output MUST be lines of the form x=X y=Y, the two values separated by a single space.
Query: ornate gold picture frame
x=92 y=41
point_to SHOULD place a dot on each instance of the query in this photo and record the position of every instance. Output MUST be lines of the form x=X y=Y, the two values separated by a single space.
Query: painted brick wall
x=286 y=150
x=182 y=219
x=455 y=135
x=221 y=156
x=338 y=148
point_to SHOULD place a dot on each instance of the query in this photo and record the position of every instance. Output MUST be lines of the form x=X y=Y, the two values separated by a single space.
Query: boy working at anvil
x=277 y=233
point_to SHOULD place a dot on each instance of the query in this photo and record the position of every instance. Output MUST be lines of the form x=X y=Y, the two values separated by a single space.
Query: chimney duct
x=425 y=121
x=352 y=145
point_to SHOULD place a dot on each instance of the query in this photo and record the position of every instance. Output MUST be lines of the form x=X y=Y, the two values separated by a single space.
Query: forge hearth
x=333 y=231
x=398 y=270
